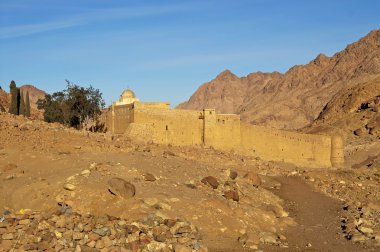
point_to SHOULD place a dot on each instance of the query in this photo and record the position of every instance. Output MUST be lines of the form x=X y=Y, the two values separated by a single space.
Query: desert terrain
x=55 y=196
x=63 y=189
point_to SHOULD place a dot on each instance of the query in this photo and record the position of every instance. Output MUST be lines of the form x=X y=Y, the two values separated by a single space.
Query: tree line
x=20 y=104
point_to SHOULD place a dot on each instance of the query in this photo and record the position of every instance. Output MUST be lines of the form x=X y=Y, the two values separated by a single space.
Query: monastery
x=158 y=123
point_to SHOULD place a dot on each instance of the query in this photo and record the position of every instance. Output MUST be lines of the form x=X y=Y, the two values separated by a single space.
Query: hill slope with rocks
x=294 y=99
x=353 y=112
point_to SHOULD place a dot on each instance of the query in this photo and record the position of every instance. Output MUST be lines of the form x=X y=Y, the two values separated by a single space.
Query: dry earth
x=59 y=179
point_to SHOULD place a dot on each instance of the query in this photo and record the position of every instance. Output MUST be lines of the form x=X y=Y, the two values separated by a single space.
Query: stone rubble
x=37 y=231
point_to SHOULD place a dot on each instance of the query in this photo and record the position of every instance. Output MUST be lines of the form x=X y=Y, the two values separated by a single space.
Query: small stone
x=77 y=236
x=122 y=188
x=69 y=187
x=253 y=178
x=358 y=238
x=131 y=229
x=91 y=244
x=359 y=132
x=24 y=222
x=107 y=242
x=366 y=230
x=232 y=194
x=8 y=236
x=85 y=173
x=211 y=181
x=269 y=238
x=58 y=234
x=233 y=175
x=149 y=177
x=102 y=231
x=30 y=246
x=151 y=201
x=99 y=244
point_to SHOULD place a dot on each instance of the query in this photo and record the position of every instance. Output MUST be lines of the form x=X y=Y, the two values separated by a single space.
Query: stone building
x=158 y=123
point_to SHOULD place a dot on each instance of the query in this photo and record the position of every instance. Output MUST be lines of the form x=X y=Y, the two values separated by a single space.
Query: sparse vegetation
x=74 y=106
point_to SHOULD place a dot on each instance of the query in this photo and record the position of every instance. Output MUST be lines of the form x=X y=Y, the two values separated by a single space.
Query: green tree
x=74 y=106
x=13 y=108
x=27 y=105
x=21 y=110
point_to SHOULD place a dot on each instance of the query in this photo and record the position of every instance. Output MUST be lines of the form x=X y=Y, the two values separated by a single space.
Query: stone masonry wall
x=158 y=123
x=279 y=145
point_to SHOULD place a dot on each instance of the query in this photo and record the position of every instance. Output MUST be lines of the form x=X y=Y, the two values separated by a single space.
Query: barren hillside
x=294 y=99
x=353 y=112
x=34 y=94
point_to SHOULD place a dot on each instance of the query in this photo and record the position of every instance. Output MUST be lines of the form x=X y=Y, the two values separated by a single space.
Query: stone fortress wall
x=158 y=123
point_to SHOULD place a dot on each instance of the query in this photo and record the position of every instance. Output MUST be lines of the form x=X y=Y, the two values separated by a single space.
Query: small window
x=167 y=127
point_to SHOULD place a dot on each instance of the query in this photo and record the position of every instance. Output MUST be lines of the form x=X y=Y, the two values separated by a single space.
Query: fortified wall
x=158 y=123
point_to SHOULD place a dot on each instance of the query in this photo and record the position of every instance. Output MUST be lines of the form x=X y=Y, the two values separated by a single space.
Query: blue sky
x=164 y=50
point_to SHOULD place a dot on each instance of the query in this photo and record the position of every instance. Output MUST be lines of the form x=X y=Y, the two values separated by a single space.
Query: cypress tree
x=18 y=100
x=21 y=110
x=27 y=104
x=13 y=108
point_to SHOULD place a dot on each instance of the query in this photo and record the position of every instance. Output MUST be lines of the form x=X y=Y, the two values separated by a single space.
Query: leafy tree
x=75 y=106
x=27 y=104
x=13 y=108
x=22 y=105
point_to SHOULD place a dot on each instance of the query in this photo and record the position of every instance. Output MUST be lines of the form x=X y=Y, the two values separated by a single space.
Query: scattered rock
x=149 y=177
x=85 y=173
x=359 y=132
x=233 y=175
x=69 y=187
x=232 y=194
x=122 y=188
x=211 y=181
x=253 y=178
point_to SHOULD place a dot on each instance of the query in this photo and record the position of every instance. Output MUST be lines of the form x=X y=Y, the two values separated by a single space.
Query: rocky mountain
x=294 y=99
x=352 y=112
x=34 y=94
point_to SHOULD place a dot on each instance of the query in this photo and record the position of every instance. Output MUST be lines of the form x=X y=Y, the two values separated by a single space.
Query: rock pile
x=74 y=232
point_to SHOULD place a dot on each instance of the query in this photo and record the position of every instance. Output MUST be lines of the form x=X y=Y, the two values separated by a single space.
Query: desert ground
x=57 y=194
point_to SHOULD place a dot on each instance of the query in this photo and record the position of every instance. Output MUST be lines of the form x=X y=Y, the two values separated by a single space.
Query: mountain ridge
x=295 y=98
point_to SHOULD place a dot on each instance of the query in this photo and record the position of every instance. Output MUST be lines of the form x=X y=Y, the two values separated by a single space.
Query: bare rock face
x=211 y=181
x=122 y=188
x=298 y=96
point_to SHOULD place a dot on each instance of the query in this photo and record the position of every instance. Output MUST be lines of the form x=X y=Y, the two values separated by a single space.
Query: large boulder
x=122 y=188
x=211 y=181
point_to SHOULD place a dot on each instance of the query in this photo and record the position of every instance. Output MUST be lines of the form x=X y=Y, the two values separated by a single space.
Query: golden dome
x=128 y=94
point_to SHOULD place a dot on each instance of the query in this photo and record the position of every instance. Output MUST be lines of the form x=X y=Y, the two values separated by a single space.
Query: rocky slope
x=293 y=99
x=353 y=112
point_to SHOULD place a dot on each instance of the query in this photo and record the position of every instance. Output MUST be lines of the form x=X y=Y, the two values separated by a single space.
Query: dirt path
x=318 y=218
